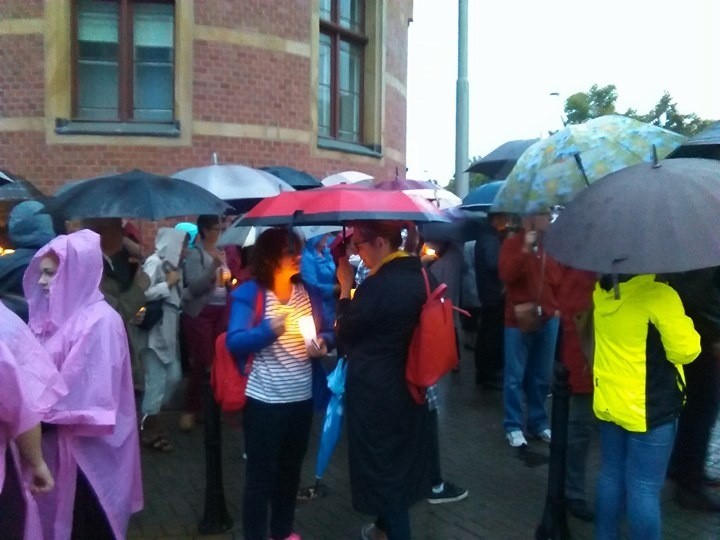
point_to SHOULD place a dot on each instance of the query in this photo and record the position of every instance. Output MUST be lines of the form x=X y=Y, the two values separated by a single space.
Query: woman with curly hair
x=264 y=323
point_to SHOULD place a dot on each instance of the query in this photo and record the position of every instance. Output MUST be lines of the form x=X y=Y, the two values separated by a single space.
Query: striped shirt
x=281 y=372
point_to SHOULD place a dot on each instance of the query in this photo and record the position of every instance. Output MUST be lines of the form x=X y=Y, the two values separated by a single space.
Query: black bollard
x=554 y=521
x=215 y=518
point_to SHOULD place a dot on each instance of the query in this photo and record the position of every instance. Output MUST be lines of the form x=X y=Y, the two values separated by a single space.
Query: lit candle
x=307 y=329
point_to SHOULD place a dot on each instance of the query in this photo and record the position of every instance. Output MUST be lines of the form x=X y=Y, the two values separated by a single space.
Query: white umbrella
x=242 y=186
x=311 y=231
x=442 y=198
x=246 y=235
x=346 y=177
x=243 y=236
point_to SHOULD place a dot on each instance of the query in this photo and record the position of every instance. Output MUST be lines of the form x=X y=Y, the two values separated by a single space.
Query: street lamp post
x=462 y=104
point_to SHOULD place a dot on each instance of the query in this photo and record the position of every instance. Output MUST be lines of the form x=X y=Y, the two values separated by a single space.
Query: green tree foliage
x=666 y=115
x=475 y=180
x=600 y=100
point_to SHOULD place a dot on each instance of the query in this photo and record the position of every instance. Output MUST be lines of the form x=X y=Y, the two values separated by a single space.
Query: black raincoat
x=388 y=433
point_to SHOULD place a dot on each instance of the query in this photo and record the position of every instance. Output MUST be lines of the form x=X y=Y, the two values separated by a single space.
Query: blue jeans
x=529 y=360
x=631 y=476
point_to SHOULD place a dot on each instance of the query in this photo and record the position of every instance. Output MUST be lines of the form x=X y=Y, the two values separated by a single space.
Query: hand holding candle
x=315 y=347
x=307 y=329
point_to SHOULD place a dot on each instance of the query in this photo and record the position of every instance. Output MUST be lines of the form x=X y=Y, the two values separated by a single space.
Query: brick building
x=95 y=86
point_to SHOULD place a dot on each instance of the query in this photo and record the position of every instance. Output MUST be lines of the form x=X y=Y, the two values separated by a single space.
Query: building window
x=340 y=80
x=123 y=60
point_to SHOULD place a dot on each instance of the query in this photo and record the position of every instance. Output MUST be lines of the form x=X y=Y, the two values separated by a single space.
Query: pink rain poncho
x=96 y=421
x=29 y=385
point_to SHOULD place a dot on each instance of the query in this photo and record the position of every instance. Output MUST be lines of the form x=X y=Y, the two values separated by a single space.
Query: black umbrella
x=134 y=194
x=646 y=218
x=16 y=188
x=462 y=226
x=498 y=163
x=705 y=144
x=296 y=178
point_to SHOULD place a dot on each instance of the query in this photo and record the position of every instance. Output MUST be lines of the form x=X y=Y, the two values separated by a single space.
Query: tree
x=599 y=101
x=475 y=180
x=666 y=115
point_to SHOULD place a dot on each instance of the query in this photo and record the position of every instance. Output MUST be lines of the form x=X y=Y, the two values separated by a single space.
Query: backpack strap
x=439 y=290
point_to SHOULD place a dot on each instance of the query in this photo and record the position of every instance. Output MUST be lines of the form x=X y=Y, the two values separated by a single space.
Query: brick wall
x=251 y=86
x=18 y=9
x=231 y=84
x=289 y=19
x=22 y=85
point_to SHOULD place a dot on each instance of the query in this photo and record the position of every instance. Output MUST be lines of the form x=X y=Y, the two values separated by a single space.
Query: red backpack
x=433 y=347
x=227 y=383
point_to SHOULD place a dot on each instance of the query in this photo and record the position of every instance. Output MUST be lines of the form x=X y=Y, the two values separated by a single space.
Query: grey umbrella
x=643 y=219
x=498 y=163
x=705 y=144
x=242 y=187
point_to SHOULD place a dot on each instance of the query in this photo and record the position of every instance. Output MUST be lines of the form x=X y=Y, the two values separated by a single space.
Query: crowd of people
x=102 y=335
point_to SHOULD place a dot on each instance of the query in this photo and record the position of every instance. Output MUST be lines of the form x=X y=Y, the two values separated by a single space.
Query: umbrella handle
x=580 y=165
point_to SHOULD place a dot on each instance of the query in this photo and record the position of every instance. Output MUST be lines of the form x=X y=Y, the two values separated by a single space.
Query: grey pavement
x=507 y=487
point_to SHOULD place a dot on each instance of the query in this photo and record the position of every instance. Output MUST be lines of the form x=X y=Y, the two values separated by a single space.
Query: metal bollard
x=554 y=521
x=215 y=518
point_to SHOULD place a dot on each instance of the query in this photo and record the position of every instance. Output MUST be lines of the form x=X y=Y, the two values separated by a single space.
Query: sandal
x=159 y=444
x=307 y=494
x=187 y=421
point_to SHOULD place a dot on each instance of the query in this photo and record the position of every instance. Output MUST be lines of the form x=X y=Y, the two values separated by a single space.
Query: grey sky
x=522 y=50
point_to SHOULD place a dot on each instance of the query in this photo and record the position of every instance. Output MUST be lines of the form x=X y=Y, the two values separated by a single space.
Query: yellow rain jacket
x=641 y=341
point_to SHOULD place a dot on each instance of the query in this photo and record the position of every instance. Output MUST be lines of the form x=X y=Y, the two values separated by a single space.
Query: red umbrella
x=326 y=206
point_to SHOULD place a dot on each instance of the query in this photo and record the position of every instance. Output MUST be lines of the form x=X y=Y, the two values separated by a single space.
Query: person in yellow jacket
x=642 y=339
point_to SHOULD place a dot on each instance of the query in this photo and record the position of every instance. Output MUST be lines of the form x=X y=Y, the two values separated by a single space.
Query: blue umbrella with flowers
x=553 y=170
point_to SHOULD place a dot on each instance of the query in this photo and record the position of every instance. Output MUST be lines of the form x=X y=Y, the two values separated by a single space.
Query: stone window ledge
x=64 y=126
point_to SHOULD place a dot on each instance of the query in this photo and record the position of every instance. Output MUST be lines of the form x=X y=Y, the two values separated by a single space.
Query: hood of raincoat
x=75 y=285
x=189 y=228
x=312 y=243
x=169 y=244
x=28 y=227
x=607 y=303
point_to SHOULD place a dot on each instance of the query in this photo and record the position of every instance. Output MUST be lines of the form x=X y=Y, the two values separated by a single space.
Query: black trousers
x=276 y=441
x=12 y=504
x=489 y=343
x=89 y=519
x=687 y=464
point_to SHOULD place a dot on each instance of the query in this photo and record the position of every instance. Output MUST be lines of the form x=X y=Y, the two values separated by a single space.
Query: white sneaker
x=516 y=438
x=545 y=435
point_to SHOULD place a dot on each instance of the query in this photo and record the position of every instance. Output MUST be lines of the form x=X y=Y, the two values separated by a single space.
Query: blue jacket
x=318 y=275
x=29 y=229
x=244 y=339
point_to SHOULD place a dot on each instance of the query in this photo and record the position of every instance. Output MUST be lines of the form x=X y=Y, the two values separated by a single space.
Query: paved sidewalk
x=507 y=487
